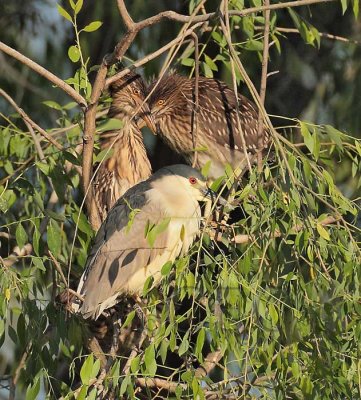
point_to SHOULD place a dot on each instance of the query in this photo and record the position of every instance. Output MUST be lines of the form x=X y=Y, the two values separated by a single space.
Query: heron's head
x=128 y=94
x=182 y=182
x=168 y=96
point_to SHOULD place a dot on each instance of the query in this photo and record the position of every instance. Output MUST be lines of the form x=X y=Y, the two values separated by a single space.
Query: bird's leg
x=116 y=332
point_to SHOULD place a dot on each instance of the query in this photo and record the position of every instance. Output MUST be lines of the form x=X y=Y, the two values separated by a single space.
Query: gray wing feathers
x=120 y=250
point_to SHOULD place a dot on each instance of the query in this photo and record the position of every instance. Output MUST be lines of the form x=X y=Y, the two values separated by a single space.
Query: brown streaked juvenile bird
x=172 y=103
x=128 y=163
x=153 y=223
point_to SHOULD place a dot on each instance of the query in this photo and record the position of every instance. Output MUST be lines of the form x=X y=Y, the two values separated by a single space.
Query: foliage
x=283 y=307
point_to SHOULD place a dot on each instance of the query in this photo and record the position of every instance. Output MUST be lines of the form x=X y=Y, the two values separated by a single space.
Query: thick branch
x=44 y=72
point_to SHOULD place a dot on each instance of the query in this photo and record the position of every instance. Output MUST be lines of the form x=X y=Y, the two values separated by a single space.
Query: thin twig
x=58 y=268
x=44 y=72
x=241 y=239
x=227 y=34
x=322 y=34
x=29 y=121
x=196 y=98
x=262 y=91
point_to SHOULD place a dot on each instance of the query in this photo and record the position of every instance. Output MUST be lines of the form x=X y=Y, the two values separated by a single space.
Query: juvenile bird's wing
x=218 y=115
x=121 y=258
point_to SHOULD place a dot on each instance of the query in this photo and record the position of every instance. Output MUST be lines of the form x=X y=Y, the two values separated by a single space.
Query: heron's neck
x=129 y=158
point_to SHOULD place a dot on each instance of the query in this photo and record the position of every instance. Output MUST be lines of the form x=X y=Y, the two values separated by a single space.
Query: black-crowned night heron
x=153 y=223
x=219 y=135
x=128 y=163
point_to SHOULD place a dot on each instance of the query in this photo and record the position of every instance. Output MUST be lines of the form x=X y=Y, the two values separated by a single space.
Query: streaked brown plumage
x=172 y=107
x=128 y=163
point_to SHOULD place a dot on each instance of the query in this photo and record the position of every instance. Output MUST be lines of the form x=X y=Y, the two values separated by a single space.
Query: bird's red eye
x=192 y=180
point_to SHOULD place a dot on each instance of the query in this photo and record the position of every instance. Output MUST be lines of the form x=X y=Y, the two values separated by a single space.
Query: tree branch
x=29 y=121
x=262 y=91
x=152 y=56
x=44 y=72
x=241 y=239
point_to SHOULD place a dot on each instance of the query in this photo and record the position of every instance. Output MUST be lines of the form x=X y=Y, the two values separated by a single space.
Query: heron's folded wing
x=220 y=115
x=120 y=251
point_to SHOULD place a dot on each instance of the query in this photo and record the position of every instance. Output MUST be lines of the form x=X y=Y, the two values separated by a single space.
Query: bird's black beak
x=215 y=197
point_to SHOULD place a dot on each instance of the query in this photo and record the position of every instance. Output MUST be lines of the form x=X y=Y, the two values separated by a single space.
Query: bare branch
x=209 y=363
x=29 y=121
x=262 y=91
x=127 y=19
x=44 y=72
x=158 y=383
x=196 y=99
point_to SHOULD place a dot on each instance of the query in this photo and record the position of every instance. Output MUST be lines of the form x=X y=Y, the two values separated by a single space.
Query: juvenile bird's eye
x=192 y=180
x=136 y=91
x=160 y=102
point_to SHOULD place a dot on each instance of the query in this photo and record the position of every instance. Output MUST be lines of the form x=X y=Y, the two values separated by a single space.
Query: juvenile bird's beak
x=146 y=116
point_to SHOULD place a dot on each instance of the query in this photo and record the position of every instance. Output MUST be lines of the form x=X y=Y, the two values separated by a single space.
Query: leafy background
x=283 y=308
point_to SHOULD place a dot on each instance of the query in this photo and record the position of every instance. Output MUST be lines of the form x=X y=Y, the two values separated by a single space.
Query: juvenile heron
x=219 y=135
x=154 y=222
x=128 y=163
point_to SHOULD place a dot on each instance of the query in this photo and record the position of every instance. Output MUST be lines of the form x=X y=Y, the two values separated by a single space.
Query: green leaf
x=134 y=365
x=206 y=70
x=344 y=5
x=74 y=54
x=78 y=6
x=21 y=236
x=64 y=13
x=307 y=137
x=149 y=360
x=86 y=369
x=199 y=344
x=355 y=7
x=188 y=62
x=166 y=268
x=93 y=26
x=184 y=346
x=273 y=313
x=52 y=104
x=323 y=232
x=33 y=390
x=212 y=65
x=110 y=125
x=96 y=368
x=82 y=223
x=54 y=238
x=129 y=319
x=335 y=135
